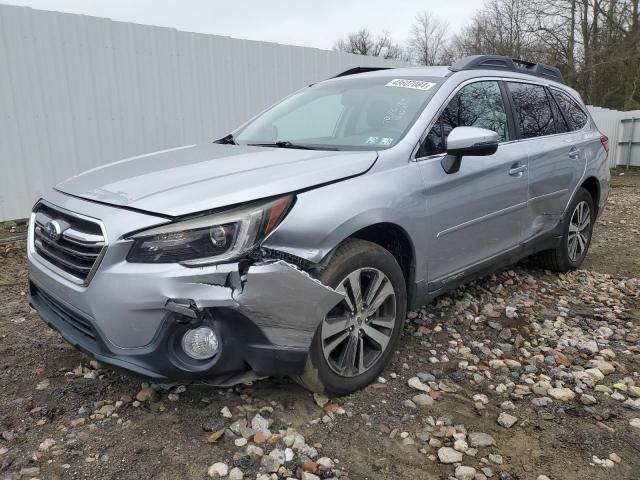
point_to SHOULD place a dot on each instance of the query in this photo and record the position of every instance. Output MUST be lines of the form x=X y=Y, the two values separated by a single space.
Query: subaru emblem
x=53 y=230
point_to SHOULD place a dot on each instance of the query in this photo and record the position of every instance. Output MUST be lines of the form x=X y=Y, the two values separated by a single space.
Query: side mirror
x=468 y=141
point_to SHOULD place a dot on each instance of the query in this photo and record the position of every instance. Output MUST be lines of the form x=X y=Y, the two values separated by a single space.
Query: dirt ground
x=50 y=392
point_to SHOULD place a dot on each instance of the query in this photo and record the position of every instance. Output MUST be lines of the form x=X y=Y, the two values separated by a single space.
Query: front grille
x=72 y=319
x=72 y=244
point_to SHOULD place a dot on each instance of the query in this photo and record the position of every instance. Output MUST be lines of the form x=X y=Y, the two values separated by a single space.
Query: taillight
x=604 y=140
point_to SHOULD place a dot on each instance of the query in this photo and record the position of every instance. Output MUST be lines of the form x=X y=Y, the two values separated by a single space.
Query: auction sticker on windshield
x=417 y=84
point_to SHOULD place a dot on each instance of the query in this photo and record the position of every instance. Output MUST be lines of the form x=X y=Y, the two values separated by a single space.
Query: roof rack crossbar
x=498 y=62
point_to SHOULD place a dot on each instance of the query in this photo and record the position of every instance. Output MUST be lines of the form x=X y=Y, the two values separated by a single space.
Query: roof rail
x=498 y=62
x=356 y=70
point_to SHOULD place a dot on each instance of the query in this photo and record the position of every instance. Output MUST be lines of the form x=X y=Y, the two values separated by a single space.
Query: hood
x=196 y=178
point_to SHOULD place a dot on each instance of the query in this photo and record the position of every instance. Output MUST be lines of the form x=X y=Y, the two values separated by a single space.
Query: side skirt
x=547 y=241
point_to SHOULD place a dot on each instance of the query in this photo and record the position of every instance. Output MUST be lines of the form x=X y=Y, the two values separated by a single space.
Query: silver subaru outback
x=294 y=245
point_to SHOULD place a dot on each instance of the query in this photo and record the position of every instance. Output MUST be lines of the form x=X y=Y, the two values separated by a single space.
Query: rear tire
x=576 y=238
x=354 y=342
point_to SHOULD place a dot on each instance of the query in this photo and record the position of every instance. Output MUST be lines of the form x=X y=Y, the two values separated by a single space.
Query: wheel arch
x=592 y=185
x=396 y=240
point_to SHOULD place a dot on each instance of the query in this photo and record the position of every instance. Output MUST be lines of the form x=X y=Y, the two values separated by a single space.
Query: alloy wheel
x=579 y=231
x=358 y=330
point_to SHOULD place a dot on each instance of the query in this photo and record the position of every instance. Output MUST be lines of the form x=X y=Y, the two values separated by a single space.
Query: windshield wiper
x=288 y=144
x=228 y=139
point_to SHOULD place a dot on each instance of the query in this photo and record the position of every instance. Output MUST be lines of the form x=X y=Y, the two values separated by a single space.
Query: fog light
x=200 y=343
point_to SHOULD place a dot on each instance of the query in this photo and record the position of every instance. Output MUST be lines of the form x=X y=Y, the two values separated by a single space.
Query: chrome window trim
x=43 y=261
x=413 y=157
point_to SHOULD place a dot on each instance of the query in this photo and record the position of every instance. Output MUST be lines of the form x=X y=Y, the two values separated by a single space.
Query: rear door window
x=533 y=110
x=478 y=104
x=572 y=112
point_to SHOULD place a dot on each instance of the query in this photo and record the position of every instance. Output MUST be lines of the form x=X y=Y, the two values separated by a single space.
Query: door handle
x=574 y=153
x=517 y=169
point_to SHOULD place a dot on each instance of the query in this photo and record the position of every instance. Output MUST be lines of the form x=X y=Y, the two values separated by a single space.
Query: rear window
x=575 y=116
x=533 y=110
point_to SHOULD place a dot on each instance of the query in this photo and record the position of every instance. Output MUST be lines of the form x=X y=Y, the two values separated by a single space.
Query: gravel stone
x=465 y=473
x=29 y=472
x=414 y=382
x=254 y=451
x=507 y=420
x=426 y=377
x=449 y=455
x=258 y=422
x=423 y=400
x=309 y=476
x=218 y=470
x=147 y=395
x=236 y=474
x=606 y=368
x=325 y=462
x=273 y=461
x=562 y=394
x=480 y=440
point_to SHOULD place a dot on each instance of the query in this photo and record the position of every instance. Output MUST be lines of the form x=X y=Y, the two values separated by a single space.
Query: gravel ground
x=523 y=375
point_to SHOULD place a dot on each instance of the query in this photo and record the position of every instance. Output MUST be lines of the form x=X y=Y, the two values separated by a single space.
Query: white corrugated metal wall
x=77 y=92
x=610 y=123
x=629 y=141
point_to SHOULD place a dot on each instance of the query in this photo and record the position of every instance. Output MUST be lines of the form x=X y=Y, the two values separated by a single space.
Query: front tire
x=576 y=238
x=354 y=342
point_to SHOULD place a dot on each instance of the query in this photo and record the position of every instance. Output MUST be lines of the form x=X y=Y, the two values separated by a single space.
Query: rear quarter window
x=574 y=114
x=533 y=110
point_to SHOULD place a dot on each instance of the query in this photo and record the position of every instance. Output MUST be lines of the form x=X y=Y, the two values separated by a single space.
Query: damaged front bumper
x=265 y=318
x=133 y=316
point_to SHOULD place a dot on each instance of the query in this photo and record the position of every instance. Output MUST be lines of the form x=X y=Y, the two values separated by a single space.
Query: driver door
x=477 y=213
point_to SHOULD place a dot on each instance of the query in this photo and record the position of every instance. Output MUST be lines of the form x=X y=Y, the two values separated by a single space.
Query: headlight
x=211 y=238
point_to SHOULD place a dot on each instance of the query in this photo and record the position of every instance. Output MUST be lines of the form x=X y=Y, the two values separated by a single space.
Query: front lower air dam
x=200 y=343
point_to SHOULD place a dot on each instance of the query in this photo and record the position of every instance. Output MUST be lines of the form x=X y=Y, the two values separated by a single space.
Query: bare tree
x=595 y=43
x=427 y=39
x=363 y=42
x=500 y=27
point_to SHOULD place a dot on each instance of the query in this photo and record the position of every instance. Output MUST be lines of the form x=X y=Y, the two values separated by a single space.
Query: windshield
x=347 y=114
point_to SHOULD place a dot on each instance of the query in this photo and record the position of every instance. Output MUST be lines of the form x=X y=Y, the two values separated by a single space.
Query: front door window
x=478 y=104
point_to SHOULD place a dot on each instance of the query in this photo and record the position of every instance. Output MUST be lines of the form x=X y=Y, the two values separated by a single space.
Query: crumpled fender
x=285 y=302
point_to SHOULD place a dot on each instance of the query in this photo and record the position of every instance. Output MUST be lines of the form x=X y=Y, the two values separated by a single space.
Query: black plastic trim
x=512 y=119
x=356 y=70
x=538 y=244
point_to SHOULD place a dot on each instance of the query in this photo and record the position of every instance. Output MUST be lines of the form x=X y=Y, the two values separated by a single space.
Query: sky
x=296 y=22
